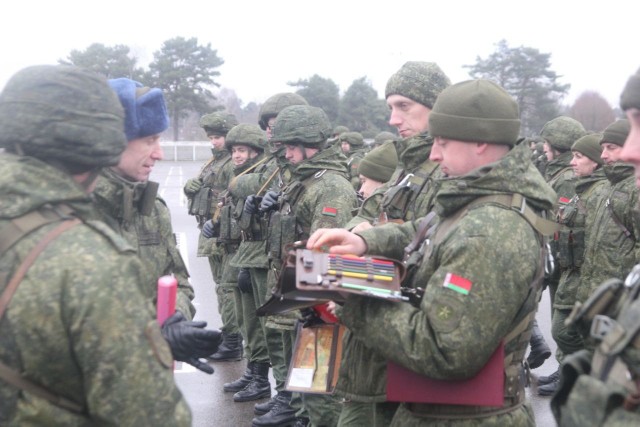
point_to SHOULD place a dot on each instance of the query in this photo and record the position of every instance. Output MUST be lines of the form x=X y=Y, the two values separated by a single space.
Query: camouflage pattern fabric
x=452 y=334
x=353 y=162
x=81 y=323
x=610 y=252
x=151 y=235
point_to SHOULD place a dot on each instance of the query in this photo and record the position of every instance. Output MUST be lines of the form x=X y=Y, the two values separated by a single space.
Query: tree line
x=187 y=71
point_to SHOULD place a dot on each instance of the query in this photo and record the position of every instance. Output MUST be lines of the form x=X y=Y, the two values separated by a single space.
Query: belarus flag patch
x=564 y=200
x=329 y=211
x=457 y=283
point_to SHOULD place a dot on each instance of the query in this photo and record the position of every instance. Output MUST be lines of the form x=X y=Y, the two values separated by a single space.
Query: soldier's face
x=241 y=153
x=610 y=152
x=297 y=153
x=345 y=147
x=139 y=157
x=368 y=186
x=548 y=151
x=582 y=165
x=631 y=149
x=456 y=158
x=217 y=142
x=270 y=124
x=410 y=117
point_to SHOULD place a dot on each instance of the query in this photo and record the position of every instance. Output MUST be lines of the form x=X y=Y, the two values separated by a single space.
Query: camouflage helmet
x=417 y=80
x=276 y=103
x=218 y=123
x=302 y=124
x=354 y=139
x=383 y=137
x=246 y=134
x=338 y=130
x=64 y=115
x=562 y=132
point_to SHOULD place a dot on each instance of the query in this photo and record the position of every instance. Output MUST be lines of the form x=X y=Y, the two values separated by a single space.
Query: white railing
x=186 y=150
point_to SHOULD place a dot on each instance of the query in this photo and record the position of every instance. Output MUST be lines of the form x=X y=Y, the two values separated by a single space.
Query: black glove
x=189 y=341
x=310 y=317
x=244 y=281
x=211 y=229
x=251 y=204
x=269 y=201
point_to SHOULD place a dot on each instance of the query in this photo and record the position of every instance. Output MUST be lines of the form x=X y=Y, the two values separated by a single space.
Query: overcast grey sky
x=265 y=44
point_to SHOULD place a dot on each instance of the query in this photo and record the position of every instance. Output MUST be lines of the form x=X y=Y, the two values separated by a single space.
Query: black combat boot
x=259 y=386
x=229 y=350
x=549 y=388
x=550 y=379
x=281 y=414
x=301 y=422
x=241 y=382
x=263 y=408
x=540 y=351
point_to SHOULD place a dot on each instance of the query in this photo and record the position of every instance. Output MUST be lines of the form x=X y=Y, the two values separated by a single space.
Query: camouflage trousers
x=255 y=349
x=367 y=414
x=224 y=292
x=323 y=410
x=568 y=338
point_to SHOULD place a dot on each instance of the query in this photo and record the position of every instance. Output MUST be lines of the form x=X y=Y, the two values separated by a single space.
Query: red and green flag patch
x=457 y=283
x=329 y=211
x=564 y=200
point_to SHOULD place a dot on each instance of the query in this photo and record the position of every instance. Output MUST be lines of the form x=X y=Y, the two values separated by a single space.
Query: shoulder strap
x=8 y=374
x=617 y=220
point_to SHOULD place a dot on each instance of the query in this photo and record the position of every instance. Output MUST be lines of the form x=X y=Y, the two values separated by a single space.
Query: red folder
x=485 y=389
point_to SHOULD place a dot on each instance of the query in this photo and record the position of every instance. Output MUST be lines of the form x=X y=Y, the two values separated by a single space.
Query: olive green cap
x=383 y=137
x=589 y=145
x=420 y=81
x=476 y=111
x=218 y=123
x=302 y=124
x=630 y=97
x=246 y=134
x=276 y=103
x=617 y=132
x=62 y=114
x=562 y=132
x=354 y=139
x=379 y=163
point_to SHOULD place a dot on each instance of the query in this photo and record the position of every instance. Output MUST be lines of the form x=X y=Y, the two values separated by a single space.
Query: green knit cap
x=420 y=81
x=616 y=132
x=630 y=97
x=562 y=132
x=354 y=139
x=379 y=163
x=476 y=111
x=589 y=145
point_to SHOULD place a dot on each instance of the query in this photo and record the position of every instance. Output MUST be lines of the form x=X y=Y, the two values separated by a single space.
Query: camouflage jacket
x=576 y=217
x=353 y=164
x=455 y=329
x=612 y=248
x=150 y=233
x=80 y=318
x=404 y=197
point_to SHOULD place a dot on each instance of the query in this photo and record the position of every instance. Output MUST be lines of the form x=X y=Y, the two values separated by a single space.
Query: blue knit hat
x=145 y=109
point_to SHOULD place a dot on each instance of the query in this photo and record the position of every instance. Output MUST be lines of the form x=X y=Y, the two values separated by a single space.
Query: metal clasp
x=601 y=326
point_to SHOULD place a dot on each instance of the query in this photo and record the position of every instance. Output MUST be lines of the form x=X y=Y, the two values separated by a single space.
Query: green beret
x=354 y=139
x=589 y=145
x=562 y=132
x=218 y=123
x=476 y=111
x=379 y=163
x=420 y=81
x=616 y=132
x=630 y=97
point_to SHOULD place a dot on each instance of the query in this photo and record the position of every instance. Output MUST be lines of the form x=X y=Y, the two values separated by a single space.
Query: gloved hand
x=189 y=341
x=251 y=204
x=211 y=229
x=310 y=317
x=269 y=201
x=244 y=281
x=192 y=186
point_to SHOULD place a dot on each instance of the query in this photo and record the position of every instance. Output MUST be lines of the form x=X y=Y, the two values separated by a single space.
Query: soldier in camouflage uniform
x=376 y=168
x=247 y=144
x=575 y=217
x=129 y=203
x=352 y=144
x=559 y=135
x=382 y=137
x=411 y=93
x=474 y=295
x=203 y=193
x=318 y=195
x=604 y=390
x=79 y=326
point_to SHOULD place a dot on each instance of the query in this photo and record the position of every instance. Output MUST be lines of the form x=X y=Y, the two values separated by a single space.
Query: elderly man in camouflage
x=128 y=202
x=604 y=390
x=488 y=205
x=318 y=195
x=79 y=343
x=411 y=93
x=203 y=193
